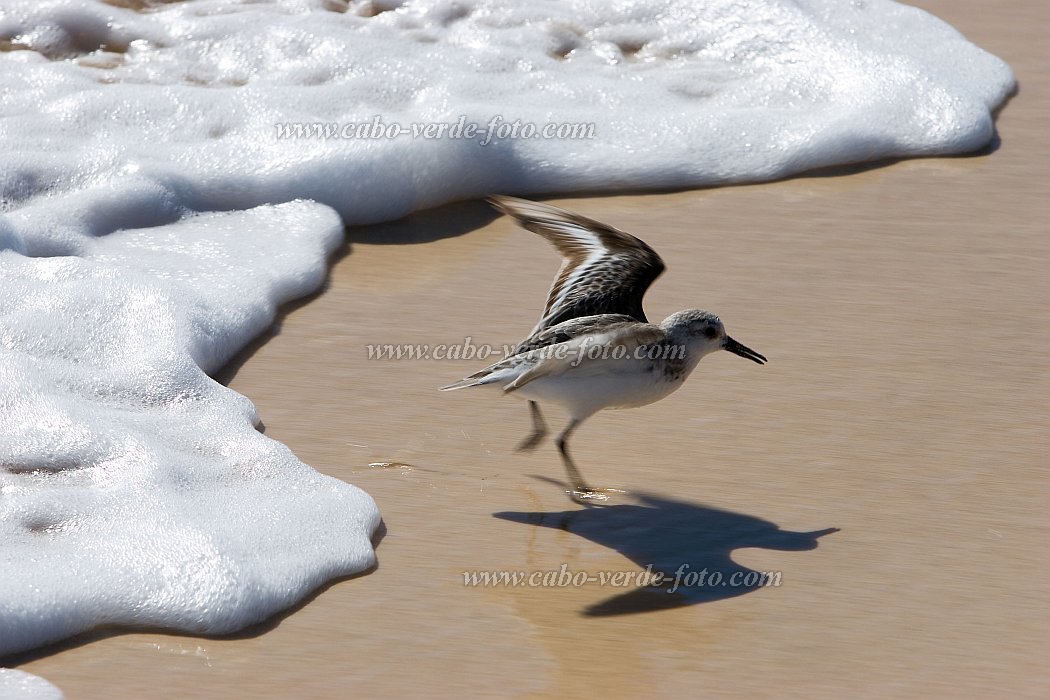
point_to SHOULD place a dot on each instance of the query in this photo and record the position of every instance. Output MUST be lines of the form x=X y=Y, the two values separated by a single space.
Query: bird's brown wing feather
x=604 y=270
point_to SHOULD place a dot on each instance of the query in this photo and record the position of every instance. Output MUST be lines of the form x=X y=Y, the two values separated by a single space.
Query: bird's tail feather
x=502 y=371
x=485 y=376
x=463 y=384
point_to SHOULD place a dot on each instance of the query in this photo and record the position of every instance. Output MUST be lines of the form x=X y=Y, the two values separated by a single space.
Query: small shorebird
x=593 y=347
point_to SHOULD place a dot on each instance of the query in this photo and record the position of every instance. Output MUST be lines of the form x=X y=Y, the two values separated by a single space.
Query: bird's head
x=706 y=331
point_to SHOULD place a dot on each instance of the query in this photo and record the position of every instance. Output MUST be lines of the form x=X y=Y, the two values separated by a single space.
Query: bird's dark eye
x=711 y=332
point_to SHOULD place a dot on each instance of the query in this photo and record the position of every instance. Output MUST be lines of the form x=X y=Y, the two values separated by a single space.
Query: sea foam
x=153 y=219
x=19 y=685
x=136 y=489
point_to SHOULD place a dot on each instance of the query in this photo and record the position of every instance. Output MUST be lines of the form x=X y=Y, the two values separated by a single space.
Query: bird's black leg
x=580 y=490
x=539 y=429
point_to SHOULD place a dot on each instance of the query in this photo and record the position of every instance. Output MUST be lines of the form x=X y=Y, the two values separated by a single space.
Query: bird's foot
x=531 y=442
x=587 y=494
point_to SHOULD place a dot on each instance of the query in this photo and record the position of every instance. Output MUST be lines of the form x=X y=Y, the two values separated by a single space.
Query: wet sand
x=906 y=314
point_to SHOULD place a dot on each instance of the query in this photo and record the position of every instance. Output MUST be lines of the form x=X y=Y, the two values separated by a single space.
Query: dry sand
x=904 y=310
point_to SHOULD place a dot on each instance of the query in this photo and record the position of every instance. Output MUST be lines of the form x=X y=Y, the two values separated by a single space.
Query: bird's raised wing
x=604 y=271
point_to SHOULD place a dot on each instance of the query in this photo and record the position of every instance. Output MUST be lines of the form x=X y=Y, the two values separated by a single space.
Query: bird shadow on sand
x=674 y=536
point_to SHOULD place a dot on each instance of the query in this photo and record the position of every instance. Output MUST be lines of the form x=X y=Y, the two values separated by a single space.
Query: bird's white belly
x=584 y=392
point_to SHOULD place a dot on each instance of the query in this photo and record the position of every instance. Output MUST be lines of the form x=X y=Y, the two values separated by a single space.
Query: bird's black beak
x=743 y=350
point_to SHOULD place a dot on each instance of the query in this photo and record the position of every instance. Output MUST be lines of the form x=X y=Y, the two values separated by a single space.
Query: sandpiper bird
x=593 y=347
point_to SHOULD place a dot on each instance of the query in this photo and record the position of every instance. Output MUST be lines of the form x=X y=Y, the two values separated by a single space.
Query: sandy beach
x=889 y=462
